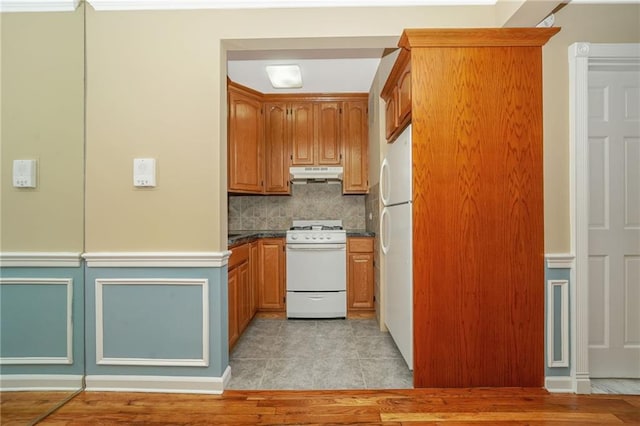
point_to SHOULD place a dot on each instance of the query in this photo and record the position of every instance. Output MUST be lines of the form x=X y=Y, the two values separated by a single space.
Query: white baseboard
x=158 y=384
x=559 y=384
x=40 y=382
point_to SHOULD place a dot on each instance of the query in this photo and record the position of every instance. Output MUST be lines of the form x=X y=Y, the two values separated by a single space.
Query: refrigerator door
x=398 y=301
x=395 y=171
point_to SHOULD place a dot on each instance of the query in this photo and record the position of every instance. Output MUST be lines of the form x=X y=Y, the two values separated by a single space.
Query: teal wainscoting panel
x=558 y=300
x=156 y=321
x=42 y=320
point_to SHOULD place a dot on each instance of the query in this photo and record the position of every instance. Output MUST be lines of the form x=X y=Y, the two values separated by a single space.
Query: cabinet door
x=327 y=116
x=404 y=97
x=254 y=266
x=245 y=141
x=244 y=296
x=390 y=115
x=277 y=149
x=360 y=281
x=272 y=278
x=234 y=332
x=356 y=147
x=302 y=138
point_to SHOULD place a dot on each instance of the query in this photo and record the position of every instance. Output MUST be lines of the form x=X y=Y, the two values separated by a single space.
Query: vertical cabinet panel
x=301 y=117
x=245 y=139
x=356 y=147
x=233 y=307
x=272 y=275
x=254 y=264
x=327 y=116
x=277 y=149
x=360 y=281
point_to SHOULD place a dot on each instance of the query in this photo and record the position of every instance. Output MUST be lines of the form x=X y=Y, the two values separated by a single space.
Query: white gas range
x=316 y=269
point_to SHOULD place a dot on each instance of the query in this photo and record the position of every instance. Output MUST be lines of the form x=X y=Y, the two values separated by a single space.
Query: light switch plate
x=24 y=173
x=144 y=172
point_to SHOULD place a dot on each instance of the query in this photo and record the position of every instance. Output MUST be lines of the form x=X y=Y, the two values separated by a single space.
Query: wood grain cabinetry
x=270 y=133
x=277 y=148
x=239 y=292
x=271 y=286
x=397 y=95
x=355 y=134
x=478 y=269
x=360 y=281
x=245 y=140
x=254 y=266
x=327 y=131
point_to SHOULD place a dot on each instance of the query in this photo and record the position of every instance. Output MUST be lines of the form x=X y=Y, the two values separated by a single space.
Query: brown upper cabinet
x=245 y=161
x=270 y=133
x=355 y=134
x=397 y=95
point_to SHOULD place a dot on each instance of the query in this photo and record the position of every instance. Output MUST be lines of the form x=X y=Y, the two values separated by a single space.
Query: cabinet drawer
x=238 y=255
x=360 y=245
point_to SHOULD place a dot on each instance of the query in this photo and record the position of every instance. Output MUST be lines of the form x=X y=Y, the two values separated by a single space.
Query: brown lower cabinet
x=271 y=283
x=359 y=274
x=239 y=292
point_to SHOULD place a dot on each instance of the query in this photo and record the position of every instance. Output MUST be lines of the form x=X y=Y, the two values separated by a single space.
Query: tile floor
x=323 y=354
x=616 y=386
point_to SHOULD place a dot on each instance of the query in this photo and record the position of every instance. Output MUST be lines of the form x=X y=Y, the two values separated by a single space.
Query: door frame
x=583 y=57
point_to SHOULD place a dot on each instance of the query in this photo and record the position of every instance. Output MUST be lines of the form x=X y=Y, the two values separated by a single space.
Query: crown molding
x=106 y=5
x=38 y=5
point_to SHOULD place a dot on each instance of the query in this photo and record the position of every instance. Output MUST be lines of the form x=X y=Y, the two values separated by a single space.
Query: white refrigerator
x=396 y=243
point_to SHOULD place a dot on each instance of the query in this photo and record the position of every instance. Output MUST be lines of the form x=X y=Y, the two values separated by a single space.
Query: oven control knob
x=321 y=237
x=327 y=237
x=314 y=237
x=306 y=237
x=294 y=237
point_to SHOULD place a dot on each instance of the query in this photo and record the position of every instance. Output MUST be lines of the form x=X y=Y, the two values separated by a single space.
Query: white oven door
x=316 y=267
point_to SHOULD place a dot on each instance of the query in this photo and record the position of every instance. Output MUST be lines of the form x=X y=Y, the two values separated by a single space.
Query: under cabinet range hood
x=315 y=174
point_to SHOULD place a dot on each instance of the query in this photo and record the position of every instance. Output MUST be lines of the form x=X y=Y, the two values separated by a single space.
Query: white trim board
x=558 y=384
x=582 y=56
x=68 y=282
x=23 y=259
x=560 y=260
x=40 y=382
x=161 y=384
x=564 y=323
x=101 y=5
x=102 y=360
x=157 y=259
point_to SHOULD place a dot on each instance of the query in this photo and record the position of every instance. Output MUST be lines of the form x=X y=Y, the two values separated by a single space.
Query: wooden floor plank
x=433 y=406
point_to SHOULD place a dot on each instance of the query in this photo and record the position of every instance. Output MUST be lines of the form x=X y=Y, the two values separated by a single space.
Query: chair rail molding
x=21 y=259
x=584 y=56
x=157 y=259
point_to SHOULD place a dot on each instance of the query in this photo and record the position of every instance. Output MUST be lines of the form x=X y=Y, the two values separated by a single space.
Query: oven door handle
x=316 y=247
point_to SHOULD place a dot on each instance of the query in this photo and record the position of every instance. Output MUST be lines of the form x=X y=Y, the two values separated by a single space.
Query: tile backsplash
x=310 y=201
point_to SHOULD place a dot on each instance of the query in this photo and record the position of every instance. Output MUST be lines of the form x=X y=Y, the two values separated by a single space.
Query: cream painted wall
x=156 y=89
x=588 y=23
x=42 y=80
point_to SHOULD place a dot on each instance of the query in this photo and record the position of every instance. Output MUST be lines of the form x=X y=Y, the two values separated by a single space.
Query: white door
x=614 y=224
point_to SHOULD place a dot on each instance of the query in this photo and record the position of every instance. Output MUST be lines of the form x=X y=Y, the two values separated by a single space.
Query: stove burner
x=331 y=228
x=301 y=228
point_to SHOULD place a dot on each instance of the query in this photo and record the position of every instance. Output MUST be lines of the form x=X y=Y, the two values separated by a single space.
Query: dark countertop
x=236 y=238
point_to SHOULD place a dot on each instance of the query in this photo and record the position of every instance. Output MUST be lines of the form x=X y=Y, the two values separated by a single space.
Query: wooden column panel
x=477 y=215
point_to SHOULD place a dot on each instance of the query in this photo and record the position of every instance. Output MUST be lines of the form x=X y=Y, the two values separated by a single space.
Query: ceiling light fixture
x=285 y=76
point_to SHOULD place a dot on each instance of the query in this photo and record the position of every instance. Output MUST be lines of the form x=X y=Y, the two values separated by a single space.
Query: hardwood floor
x=389 y=407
